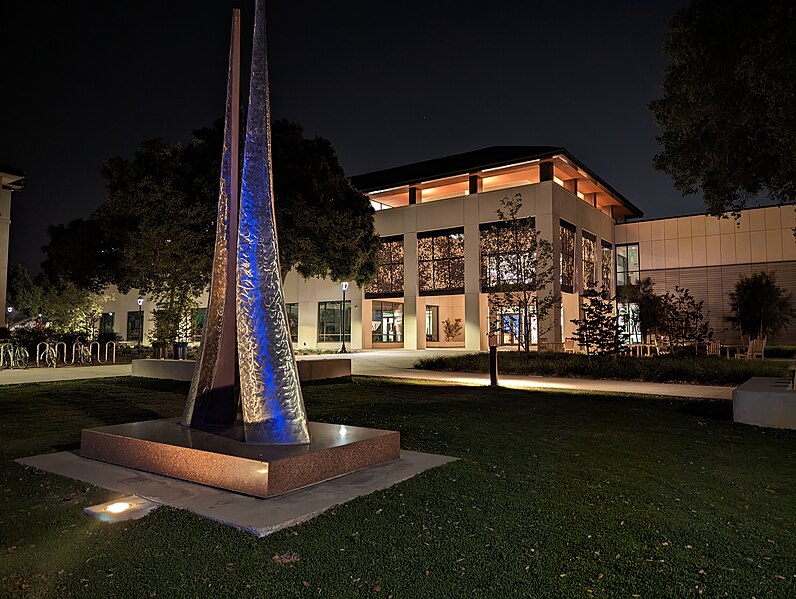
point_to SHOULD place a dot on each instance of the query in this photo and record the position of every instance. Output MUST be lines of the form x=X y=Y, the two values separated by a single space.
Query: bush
x=781 y=351
x=702 y=370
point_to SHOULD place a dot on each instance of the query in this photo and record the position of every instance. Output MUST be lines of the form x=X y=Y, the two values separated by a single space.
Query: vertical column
x=415 y=195
x=410 y=291
x=308 y=325
x=547 y=225
x=472 y=288
x=476 y=184
x=571 y=185
x=357 y=320
x=545 y=171
x=367 y=331
x=5 y=227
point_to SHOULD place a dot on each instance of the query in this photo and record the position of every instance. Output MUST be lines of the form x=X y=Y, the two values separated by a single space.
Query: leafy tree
x=451 y=328
x=517 y=269
x=649 y=305
x=760 y=307
x=26 y=296
x=728 y=107
x=598 y=330
x=70 y=309
x=682 y=320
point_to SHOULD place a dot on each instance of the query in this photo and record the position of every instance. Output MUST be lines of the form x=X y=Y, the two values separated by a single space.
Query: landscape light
x=125 y=508
x=118 y=507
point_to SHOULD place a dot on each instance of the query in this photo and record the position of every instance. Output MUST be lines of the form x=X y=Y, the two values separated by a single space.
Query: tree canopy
x=728 y=110
x=760 y=307
x=155 y=232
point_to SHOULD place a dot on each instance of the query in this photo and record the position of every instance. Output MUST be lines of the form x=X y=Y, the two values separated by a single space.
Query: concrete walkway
x=398 y=364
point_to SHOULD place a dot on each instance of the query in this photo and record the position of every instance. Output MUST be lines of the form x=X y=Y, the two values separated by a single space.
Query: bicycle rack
x=91 y=351
x=57 y=345
x=3 y=354
x=39 y=353
x=113 y=343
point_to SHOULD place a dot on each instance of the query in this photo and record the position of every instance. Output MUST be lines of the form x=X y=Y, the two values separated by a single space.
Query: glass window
x=440 y=262
x=566 y=232
x=627 y=265
x=331 y=322
x=606 y=263
x=292 y=321
x=198 y=320
x=588 y=248
x=432 y=323
x=506 y=254
x=390 y=276
x=387 y=325
x=135 y=321
x=629 y=319
x=106 y=323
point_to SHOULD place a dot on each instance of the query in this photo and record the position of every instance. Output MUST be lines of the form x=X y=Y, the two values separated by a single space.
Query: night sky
x=387 y=83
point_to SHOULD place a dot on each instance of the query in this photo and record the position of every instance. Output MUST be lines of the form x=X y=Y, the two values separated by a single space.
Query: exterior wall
x=707 y=255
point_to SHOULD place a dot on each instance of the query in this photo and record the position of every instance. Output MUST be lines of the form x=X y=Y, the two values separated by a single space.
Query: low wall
x=765 y=401
x=182 y=370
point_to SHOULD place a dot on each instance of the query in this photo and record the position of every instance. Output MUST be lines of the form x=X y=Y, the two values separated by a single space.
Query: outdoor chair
x=714 y=348
x=662 y=346
x=755 y=349
x=569 y=346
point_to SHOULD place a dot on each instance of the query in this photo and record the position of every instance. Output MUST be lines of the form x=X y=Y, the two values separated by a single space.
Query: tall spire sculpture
x=247 y=318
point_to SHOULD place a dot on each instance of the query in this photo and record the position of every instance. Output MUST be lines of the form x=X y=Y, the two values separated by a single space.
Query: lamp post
x=140 y=301
x=344 y=287
x=10 y=311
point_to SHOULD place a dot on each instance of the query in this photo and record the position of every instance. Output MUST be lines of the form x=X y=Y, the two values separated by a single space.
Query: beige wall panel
x=713 y=247
x=442 y=214
x=684 y=227
x=645 y=255
x=744 y=225
x=699 y=255
x=566 y=204
x=632 y=233
x=410 y=219
x=620 y=234
x=389 y=222
x=670 y=228
x=698 y=225
x=489 y=202
x=773 y=245
x=712 y=225
x=727 y=248
x=727 y=225
x=471 y=210
x=743 y=247
x=773 y=220
x=757 y=220
x=758 y=239
x=571 y=307
x=658 y=254
x=788 y=245
x=658 y=230
x=685 y=252
x=787 y=216
x=671 y=253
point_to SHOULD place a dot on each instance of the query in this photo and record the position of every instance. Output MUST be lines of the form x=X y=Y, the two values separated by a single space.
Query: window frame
x=443 y=264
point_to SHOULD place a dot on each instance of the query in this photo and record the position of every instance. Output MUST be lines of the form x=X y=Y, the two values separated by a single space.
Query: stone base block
x=182 y=370
x=765 y=401
x=220 y=458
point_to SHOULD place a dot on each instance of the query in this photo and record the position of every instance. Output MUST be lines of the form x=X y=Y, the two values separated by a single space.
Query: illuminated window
x=292 y=319
x=588 y=248
x=106 y=323
x=198 y=319
x=390 y=277
x=432 y=323
x=440 y=262
x=627 y=265
x=506 y=253
x=606 y=262
x=331 y=322
x=135 y=321
x=566 y=232
x=388 y=322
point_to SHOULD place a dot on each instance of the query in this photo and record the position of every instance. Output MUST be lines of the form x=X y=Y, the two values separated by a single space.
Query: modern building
x=11 y=180
x=442 y=250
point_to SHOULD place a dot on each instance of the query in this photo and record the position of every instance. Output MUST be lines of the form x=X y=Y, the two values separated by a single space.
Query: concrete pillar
x=5 y=228
x=367 y=316
x=472 y=288
x=308 y=325
x=411 y=293
x=356 y=320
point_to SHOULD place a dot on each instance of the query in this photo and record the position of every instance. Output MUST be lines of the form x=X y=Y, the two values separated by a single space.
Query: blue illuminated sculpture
x=246 y=311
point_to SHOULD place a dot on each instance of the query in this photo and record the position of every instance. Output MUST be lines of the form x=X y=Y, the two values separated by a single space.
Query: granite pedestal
x=220 y=457
x=765 y=401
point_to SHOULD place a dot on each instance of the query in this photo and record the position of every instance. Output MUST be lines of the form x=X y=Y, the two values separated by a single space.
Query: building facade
x=438 y=260
x=11 y=180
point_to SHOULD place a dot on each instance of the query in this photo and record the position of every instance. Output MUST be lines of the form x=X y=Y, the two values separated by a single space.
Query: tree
x=156 y=230
x=517 y=269
x=760 y=307
x=682 y=320
x=26 y=296
x=643 y=295
x=598 y=330
x=451 y=328
x=70 y=309
x=728 y=110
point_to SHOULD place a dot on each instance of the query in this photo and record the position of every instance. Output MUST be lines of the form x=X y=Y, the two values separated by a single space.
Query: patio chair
x=714 y=348
x=662 y=345
x=755 y=349
x=569 y=346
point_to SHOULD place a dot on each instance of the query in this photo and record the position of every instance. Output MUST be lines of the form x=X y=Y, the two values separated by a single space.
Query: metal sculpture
x=247 y=318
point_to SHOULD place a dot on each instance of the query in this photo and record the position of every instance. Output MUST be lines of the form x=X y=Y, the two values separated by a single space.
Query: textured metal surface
x=212 y=398
x=271 y=400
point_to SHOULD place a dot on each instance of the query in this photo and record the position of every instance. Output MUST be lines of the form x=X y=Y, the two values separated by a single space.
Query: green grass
x=701 y=370
x=555 y=495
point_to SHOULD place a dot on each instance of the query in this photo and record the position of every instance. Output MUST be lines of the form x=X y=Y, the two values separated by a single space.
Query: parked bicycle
x=81 y=353
x=14 y=356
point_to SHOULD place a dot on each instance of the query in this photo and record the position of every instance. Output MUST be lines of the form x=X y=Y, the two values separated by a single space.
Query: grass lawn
x=700 y=370
x=555 y=495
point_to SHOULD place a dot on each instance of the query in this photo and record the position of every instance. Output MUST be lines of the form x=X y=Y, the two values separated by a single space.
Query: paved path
x=65 y=373
x=398 y=364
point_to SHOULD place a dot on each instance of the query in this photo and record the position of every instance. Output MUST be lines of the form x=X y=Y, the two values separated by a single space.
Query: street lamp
x=344 y=287
x=10 y=311
x=140 y=301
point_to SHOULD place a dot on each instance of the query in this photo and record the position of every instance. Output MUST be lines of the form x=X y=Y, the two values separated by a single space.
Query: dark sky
x=387 y=82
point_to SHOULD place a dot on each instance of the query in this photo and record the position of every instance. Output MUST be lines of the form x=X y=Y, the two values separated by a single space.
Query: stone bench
x=765 y=401
x=182 y=370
